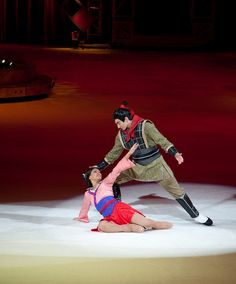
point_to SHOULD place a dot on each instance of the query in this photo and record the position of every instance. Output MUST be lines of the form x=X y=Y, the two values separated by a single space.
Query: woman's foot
x=162 y=225
x=136 y=228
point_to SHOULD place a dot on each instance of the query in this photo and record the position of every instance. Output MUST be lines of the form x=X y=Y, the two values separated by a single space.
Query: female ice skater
x=117 y=216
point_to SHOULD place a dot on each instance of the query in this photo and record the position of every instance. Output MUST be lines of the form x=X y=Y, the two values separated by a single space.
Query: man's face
x=122 y=125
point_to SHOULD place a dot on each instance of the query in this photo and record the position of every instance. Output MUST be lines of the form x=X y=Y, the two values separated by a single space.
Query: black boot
x=187 y=204
x=116 y=191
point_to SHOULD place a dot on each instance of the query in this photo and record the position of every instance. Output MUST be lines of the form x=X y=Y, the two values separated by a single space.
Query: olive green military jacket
x=150 y=172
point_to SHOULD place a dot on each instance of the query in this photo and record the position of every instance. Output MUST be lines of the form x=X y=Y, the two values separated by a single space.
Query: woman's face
x=95 y=175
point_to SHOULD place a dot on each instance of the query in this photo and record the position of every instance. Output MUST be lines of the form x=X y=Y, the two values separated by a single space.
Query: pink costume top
x=103 y=189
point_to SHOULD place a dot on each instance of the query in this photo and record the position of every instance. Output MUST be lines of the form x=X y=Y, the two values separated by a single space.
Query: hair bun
x=125 y=103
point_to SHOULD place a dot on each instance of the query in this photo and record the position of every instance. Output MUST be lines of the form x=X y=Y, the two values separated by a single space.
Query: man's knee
x=172 y=186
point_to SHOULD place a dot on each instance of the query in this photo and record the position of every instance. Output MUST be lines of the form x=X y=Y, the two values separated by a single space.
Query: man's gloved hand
x=102 y=165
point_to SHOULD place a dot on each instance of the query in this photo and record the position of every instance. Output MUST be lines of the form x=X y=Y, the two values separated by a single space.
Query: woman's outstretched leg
x=147 y=223
x=111 y=227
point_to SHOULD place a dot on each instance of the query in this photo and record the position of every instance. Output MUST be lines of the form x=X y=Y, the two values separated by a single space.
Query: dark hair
x=86 y=176
x=122 y=112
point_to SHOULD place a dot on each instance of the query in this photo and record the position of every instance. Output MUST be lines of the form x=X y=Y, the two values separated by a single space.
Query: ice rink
x=48 y=228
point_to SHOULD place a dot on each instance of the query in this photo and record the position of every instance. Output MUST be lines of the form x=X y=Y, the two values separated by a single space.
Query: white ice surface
x=48 y=229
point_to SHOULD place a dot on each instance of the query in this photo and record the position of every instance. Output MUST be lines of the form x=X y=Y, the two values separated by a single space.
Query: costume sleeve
x=83 y=214
x=115 y=152
x=123 y=165
x=155 y=137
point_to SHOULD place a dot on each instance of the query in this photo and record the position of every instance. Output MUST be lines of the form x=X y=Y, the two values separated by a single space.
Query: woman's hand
x=77 y=218
x=131 y=150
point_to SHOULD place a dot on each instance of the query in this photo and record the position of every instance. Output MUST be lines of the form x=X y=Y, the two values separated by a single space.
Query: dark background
x=47 y=23
x=47 y=144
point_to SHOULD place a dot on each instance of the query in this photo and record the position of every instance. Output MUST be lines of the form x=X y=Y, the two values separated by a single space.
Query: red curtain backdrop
x=28 y=21
x=2 y=20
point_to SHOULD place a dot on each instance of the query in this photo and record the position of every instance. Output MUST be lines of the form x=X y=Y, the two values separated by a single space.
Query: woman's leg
x=147 y=223
x=111 y=227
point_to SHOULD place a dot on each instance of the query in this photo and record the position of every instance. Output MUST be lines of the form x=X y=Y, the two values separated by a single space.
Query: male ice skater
x=150 y=164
